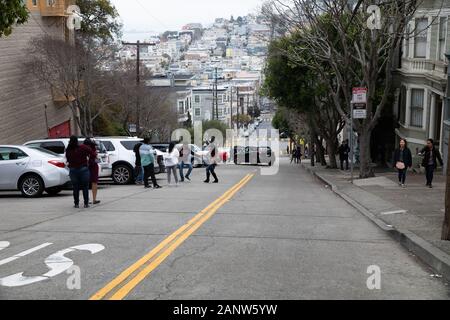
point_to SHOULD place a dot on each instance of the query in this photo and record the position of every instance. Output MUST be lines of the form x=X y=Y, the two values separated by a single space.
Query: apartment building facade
x=422 y=78
x=28 y=110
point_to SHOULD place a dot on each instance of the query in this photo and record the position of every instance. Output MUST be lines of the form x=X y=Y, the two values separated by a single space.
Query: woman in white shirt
x=171 y=162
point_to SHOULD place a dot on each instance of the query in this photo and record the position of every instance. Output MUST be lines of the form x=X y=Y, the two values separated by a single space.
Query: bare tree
x=336 y=34
x=74 y=73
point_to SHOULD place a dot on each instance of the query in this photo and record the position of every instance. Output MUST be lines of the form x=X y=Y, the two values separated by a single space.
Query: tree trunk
x=320 y=152
x=446 y=226
x=332 y=153
x=365 y=168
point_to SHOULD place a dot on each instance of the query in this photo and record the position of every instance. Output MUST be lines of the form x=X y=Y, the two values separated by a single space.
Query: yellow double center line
x=123 y=284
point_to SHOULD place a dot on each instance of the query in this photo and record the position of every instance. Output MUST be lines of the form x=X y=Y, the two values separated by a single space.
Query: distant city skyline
x=149 y=16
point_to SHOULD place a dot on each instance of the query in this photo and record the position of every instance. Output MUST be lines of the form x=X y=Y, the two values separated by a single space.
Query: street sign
x=132 y=128
x=359 y=111
x=359 y=95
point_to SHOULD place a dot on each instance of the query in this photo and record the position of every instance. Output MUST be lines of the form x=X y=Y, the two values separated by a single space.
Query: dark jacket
x=79 y=157
x=407 y=157
x=344 y=151
x=436 y=156
x=138 y=154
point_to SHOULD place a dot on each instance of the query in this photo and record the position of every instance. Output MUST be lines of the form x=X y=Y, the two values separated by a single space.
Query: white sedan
x=32 y=171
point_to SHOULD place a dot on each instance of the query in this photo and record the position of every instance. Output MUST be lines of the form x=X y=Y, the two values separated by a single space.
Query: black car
x=253 y=155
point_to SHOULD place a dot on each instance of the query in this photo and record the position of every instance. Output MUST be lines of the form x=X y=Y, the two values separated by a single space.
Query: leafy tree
x=100 y=19
x=12 y=12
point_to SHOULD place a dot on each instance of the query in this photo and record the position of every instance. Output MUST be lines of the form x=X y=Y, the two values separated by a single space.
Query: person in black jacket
x=344 y=151
x=139 y=170
x=431 y=156
x=402 y=161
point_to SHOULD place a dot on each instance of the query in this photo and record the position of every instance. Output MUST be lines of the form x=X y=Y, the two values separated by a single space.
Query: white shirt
x=172 y=158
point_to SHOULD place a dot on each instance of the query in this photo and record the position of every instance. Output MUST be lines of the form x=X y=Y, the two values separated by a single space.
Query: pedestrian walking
x=287 y=150
x=402 y=161
x=211 y=161
x=78 y=161
x=146 y=153
x=185 y=161
x=306 y=153
x=171 y=162
x=294 y=151
x=344 y=151
x=431 y=156
x=138 y=170
x=93 y=169
x=298 y=155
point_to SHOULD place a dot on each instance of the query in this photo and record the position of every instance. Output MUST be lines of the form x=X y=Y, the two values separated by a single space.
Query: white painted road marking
x=23 y=254
x=393 y=212
x=57 y=263
x=4 y=245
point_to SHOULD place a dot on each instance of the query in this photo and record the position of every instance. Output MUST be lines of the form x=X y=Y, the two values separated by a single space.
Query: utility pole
x=238 y=105
x=231 y=107
x=138 y=45
x=446 y=225
x=216 y=95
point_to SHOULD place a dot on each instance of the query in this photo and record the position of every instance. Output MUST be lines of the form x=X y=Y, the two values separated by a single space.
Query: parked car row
x=40 y=166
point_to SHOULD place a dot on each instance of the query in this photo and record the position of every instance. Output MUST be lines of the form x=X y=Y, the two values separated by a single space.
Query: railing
x=424 y=66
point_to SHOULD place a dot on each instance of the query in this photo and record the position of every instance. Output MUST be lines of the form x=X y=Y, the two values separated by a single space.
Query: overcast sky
x=162 y=15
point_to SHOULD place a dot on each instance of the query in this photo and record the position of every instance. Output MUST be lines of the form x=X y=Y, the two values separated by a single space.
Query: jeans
x=183 y=165
x=402 y=175
x=139 y=173
x=80 y=180
x=170 y=170
x=149 y=172
x=430 y=174
x=210 y=170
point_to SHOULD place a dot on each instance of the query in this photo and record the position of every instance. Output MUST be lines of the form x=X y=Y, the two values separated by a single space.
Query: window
x=407 y=40
x=417 y=105
x=197 y=99
x=129 y=145
x=180 y=107
x=197 y=112
x=442 y=37
x=34 y=3
x=55 y=146
x=11 y=154
x=421 y=38
x=109 y=146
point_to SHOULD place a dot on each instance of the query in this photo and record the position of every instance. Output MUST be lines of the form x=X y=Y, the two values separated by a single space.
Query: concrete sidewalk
x=413 y=215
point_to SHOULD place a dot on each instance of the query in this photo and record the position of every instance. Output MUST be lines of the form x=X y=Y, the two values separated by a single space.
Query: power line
x=151 y=15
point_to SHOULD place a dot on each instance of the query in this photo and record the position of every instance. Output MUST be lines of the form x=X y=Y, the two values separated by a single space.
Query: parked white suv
x=123 y=159
x=59 y=146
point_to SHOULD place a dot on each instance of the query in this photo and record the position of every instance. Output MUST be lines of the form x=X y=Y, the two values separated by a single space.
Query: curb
x=427 y=252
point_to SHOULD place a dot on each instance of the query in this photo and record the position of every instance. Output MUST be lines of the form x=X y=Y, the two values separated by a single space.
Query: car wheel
x=31 y=186
x=54 y=191
x=122 y=174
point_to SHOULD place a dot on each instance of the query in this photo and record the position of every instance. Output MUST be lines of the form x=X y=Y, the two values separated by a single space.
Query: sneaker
x=206 y=181
x=158 y=187
x=403 y=186
x=216 y=181
x=86 y=206
x=430 y=186
x=77 y=206
x=188 y=178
